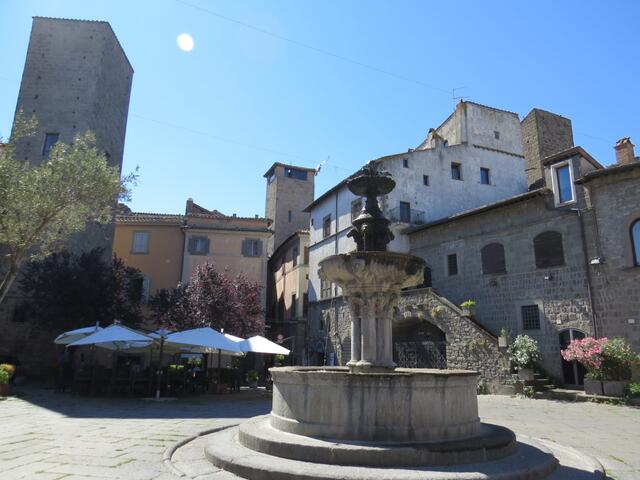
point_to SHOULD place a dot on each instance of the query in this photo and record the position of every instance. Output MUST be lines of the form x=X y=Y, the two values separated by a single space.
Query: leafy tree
x=41 y=205
x=213 y=298
x=171 y=308
x=69 y=291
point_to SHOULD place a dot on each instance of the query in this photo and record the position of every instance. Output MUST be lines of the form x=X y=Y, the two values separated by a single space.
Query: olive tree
x=42 y=204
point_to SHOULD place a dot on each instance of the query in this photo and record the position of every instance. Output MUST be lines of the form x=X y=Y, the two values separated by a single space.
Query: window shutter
x=259 y=248
x=192 y=245
x=245 y=247
x=206 y=248
x=493 y=258
x=548 y=249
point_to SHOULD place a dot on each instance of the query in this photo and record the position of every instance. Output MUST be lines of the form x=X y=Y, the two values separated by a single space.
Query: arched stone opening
x=418 y=343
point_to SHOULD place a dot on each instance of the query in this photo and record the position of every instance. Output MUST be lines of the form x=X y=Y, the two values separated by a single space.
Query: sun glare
x=185 y=42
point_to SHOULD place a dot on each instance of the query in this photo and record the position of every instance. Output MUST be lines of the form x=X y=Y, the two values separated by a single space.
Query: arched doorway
x=419 y=344
x=572 y=372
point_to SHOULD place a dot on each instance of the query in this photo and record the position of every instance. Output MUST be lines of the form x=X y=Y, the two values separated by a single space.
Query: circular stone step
x=493 y=443
x=533 y=460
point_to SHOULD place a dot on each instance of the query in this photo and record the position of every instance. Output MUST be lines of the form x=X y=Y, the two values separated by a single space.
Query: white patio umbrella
x=203 y=340
x=260 y=344
x=72 y=335
x=115 y=337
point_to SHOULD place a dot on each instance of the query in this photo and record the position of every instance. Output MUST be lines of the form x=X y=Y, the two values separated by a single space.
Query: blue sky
x=284 y=81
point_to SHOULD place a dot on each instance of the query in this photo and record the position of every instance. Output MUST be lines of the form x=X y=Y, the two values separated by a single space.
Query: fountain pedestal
x=371 y=283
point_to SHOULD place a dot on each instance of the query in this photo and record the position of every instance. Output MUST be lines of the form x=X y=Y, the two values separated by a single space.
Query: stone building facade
x=555 y=261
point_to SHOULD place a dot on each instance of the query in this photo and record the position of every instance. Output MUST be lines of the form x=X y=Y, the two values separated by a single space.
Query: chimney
x=189 y=207
x=624 y=151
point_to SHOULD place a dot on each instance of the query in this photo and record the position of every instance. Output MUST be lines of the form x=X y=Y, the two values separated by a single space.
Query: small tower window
x=50 y=139
x=496 y=135
x=405 y=162
x=484 y=176
x=289 y=216
x=456 y=171
x=425 y=180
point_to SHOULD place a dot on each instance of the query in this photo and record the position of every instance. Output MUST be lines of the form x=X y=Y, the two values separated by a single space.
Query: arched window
x=548 y=250
x=493 y=258
x=635 y=242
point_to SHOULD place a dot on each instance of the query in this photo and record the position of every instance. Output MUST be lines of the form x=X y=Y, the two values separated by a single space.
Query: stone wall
x=561 y=292
x=469 y=345
x=614 y=204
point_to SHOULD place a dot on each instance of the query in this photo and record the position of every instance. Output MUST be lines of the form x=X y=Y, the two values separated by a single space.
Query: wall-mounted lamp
x=548 y=277
x=596 y=261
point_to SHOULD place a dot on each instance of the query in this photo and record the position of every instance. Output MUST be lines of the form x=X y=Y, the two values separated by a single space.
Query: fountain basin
x=404 y=405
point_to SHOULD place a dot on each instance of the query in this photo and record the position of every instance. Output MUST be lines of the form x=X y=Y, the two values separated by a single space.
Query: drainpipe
x=583 y=237
x=183 y=229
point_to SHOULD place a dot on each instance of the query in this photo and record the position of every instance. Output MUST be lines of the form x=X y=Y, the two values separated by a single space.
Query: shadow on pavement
x=244 y=404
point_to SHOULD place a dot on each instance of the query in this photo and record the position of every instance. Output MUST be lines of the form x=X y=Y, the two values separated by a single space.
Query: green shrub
x=523 y=352
x=4 y=377
x=634 y=389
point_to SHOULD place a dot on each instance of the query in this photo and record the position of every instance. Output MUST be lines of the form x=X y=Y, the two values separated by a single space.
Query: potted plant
x=468 y=307
x=503 y=339
x=617 y=358
x=523 y=353
x=588 y=353
x=5 y=388
x=633 y=390
x=252 y=379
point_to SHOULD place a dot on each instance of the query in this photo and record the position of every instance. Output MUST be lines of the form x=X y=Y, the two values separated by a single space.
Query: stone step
x=494 y=442
x=533 y=460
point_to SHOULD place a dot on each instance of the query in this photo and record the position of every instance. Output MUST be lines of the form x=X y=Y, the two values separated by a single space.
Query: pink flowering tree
x=588 y=353
x=212 y=298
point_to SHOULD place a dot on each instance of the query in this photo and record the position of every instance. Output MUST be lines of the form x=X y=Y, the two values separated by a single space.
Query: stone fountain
x=371 y=420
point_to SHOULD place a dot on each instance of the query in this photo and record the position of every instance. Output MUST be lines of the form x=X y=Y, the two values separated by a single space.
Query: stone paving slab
x=50 y=436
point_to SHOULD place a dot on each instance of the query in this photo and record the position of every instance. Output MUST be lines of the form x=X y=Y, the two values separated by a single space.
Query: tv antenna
x=455 y=97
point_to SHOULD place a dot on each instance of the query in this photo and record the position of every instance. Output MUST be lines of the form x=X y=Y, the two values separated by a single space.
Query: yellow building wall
x=162 y=264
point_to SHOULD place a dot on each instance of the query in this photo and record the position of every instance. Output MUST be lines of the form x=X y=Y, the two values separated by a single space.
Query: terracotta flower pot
x=614 y=388
x=593 y=387
x=5 y=390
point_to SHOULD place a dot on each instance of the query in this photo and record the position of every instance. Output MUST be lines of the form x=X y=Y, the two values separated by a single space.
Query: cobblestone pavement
x=45 y=435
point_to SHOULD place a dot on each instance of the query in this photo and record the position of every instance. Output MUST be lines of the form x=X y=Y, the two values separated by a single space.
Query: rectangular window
x=140 y=242
x=356 y=208
x=496 y=135
x=484 y=176
x=252 y=247
x=405 y=162
x=456 y=171
x=198 y=245
x=326 y=226
x=50 y=140
x=306 y=255
x=295 y=173
x=294 y=256
x=325 y=289
x=289 y=215
x=425 y=180
x=563 y=182
x=452 y=264
x=530 y=317
x=305 y=304
x=405 y=212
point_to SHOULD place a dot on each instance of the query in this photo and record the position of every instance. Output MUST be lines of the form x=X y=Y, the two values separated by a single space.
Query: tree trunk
x=8 y=280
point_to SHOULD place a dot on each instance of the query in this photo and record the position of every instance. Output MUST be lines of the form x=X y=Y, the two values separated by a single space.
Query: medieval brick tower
x=289 y=190
x=76 y=78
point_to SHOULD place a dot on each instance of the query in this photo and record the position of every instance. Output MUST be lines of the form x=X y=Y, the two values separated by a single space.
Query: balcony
x=406 y=215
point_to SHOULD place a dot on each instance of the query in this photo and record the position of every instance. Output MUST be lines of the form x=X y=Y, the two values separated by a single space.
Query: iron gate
x=420 y=354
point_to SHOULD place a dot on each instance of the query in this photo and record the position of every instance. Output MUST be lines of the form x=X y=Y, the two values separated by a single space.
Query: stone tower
x=543 y=134
x=76 y=78
x=289 y=190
